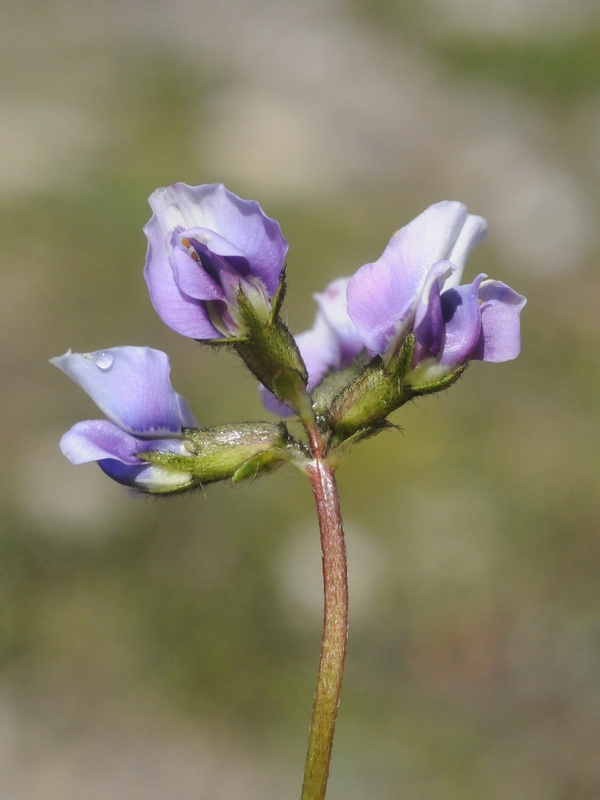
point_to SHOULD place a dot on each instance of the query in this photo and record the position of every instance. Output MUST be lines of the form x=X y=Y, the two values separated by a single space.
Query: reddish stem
x=335 y=624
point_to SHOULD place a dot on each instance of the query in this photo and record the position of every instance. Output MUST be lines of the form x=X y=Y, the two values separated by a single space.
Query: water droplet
x=103 y=359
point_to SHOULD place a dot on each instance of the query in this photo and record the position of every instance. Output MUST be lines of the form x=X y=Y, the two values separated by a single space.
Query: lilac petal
x=462 y=318
x=130 y=385
x=241 y=222
x=429 y=323
x=93 y=440
x=212 y=255
x=179 y=311
x=383 y=296
x=333 y=306
x=146 y=477
x=319 y=350
x=192 y=279
x=473 y=232
x=213 y=243
x=187 y=419
x=500 y=337
x=272 y=404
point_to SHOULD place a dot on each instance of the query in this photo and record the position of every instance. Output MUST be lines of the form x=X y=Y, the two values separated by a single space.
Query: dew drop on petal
x=103 y=360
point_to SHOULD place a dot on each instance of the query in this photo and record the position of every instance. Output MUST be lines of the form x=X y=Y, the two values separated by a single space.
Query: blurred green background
x=169 y=649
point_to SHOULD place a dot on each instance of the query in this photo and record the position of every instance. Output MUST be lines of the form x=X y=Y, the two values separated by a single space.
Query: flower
x=415 y=287
x=131 y=386
x=205 y=246
x=477 y=321
x=331 y=344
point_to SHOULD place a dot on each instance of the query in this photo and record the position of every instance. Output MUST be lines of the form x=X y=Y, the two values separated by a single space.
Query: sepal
x=289 y=387
x=217 y=454
x=376 y=391
x=333 y=384
x=432 y=386
x=335 y=455
x=269 y=351
x=279 y=297
x=261 y=464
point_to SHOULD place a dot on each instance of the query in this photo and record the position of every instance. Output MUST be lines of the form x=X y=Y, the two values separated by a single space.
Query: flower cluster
x=400 y=327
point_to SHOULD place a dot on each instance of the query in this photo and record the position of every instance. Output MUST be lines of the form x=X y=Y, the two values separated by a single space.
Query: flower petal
x=152 y=478
x=473 y=232
x=333 y=306
x=272 y=404
x=462 y=320
x=241 y=222
x=212 y=242
x=130 y=385
x=429 y=322
x=500 y=337
x=191 y=278
x=95 y=439
x=319 y=350
x=187 y=419
x=383 y=296
x=179 y=311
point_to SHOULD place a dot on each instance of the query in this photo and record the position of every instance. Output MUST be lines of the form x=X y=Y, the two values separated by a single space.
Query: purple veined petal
x=241 y=222
x=213 y=253
x=319 y=349
x=214 y=243
x=381 y=304
x=462 y=320
x=146 y=477
x=473 y=232
x=429 y=323
x=383 y=296
x=229 y=274
x=179 y=311
x=500 y=337
x=187 y=419
x=130 y=385
x=190 y=276
x=96 y=439
x=333 y=306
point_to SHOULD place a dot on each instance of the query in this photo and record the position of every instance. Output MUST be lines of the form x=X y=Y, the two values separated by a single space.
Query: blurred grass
x=557 y=68
x=560 y=70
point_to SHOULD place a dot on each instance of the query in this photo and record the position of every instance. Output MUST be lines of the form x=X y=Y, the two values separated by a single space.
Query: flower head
x=415 y=288
x=205 y=246
x=131 y=386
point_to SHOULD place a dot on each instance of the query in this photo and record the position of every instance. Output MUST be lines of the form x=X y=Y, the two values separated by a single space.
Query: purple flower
x=414 y=287
x=205 y=245
x=131 y=386
x=331 y=344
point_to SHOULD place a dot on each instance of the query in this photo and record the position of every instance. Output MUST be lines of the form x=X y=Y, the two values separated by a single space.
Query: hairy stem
x=335 y=624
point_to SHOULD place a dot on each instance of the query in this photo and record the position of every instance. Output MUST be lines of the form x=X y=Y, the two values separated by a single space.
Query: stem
x=335 y=624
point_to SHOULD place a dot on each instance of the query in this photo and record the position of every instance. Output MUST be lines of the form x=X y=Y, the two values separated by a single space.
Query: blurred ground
x=169 y=649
